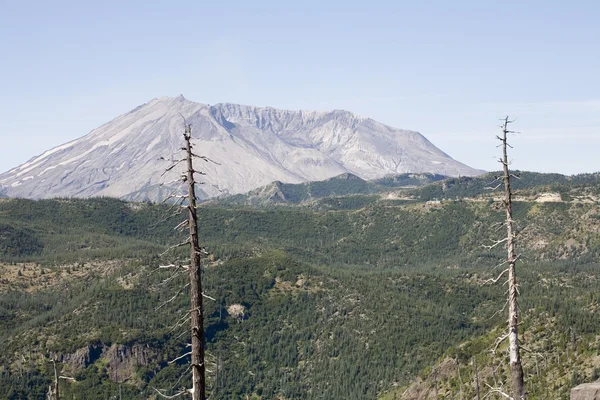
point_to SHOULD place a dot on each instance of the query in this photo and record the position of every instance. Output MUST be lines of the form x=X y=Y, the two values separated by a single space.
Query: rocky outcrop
x=82 y=358
x=586 y=391
x=121 y=361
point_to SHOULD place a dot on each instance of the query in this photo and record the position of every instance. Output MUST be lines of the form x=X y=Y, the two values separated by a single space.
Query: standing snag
x=197 y=309
x=518 y=384
x=53 y=390
x=196 y=312
x=516 y=368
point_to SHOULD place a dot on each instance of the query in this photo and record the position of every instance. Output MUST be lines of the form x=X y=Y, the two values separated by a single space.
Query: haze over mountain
x=251 y=147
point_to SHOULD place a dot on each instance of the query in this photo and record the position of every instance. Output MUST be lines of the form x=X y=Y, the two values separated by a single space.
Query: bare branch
x=173 y=266
x=499 y=265
x=181 y=377
x=493 y=188
x=170 y=168
x=172 y=212
x=500 y=311
x=498 y=342
x=174 y=247
x=181 y=225
x=181 y=322
x=205 y=158
x=172 y=298
x=495 y=244
x=208 y=297
x=172 y=195
x=491 y=280
x=180 y=357
x=497 y=391
x=171 y=397
x=171 y=160
x=179 y=180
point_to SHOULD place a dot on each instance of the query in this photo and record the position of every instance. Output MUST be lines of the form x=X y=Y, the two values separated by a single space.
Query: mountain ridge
x=346 y=184
x=252 y=147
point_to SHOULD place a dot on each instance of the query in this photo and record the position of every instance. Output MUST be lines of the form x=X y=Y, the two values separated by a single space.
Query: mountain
x=250 y=146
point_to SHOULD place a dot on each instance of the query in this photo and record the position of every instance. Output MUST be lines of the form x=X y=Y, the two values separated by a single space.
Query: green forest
x=352 y=296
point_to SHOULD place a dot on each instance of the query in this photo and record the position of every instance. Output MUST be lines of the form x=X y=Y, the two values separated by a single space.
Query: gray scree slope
x=253 y=146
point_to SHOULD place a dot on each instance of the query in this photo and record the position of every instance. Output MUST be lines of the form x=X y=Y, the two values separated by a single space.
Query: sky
x=448 y=69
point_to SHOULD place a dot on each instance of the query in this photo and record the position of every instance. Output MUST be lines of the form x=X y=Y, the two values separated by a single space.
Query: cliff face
x=251 y=147
x=121 y=361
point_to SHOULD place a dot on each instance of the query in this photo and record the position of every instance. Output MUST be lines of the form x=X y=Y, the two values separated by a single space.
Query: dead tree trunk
x=194 y=269
x=518 y=385
x=460 y=385
x=56 y=389
x=53 y=391
x=477 y=389
x=197 y=310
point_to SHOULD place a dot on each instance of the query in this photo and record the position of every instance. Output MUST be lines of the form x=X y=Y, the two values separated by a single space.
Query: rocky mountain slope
x=251 y=147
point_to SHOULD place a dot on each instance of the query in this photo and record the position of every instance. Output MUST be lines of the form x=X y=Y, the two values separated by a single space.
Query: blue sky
x=448 y=69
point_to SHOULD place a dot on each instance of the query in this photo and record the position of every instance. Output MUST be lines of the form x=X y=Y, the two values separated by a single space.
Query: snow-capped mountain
x=252 y=146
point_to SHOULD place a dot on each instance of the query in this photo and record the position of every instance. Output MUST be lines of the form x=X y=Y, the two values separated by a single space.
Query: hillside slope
x=279 y=193
x=336 y=304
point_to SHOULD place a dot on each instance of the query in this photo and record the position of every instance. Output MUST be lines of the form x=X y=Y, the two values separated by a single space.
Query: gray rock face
x=121 y=361
x=586 y=391
x=252 y=146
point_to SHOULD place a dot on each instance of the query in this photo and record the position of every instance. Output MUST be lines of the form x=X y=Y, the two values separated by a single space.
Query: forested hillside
x=309 y=303
x=279 y=193
x=528 y=182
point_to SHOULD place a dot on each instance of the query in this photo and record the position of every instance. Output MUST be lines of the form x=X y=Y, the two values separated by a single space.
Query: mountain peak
x=253 y=146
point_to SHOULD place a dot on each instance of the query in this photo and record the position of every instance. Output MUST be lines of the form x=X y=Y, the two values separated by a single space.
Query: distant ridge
x=253 y=147
x=342 y=185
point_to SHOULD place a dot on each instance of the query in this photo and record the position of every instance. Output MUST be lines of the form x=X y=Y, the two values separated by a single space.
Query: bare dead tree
x=195 y=271
x=53 y=390
x=518 y=385
x=56 y=389
x=195 y=315
x=477 y=389
x=435 y=382
x=460 y=383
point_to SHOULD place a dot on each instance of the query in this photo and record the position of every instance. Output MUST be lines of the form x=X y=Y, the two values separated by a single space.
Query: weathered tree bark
x=56 y=389
x=435 y=383
x=477 y=389
x=197 y=310
x=53 y=393
x=518 y=385
x=460 y=385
